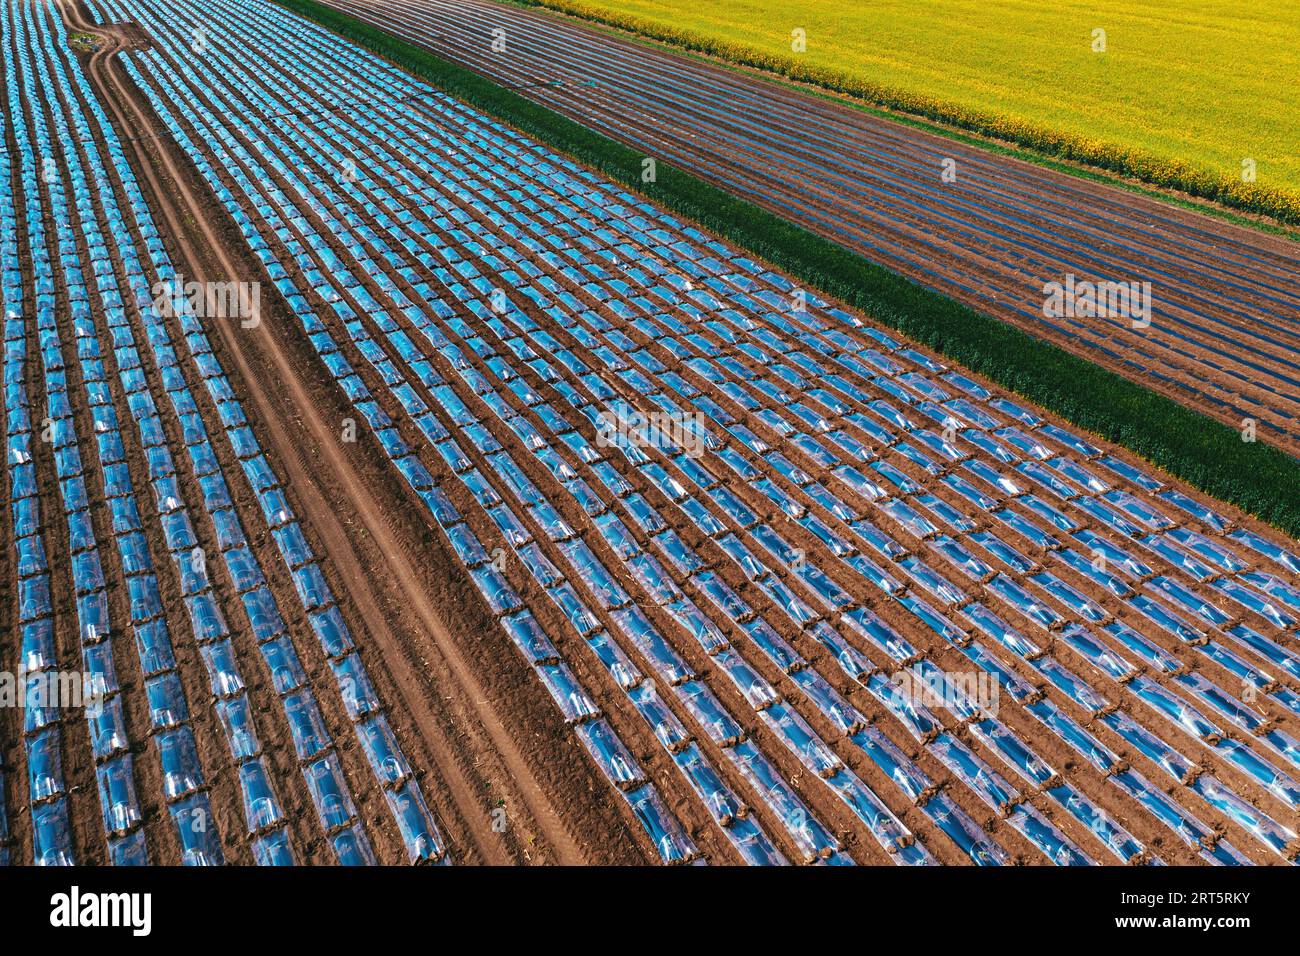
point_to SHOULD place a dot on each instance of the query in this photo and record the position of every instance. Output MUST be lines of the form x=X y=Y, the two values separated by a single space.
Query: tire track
x=185 y=216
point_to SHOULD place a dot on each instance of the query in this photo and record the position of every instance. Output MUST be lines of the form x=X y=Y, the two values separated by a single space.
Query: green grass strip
x=1255 y=476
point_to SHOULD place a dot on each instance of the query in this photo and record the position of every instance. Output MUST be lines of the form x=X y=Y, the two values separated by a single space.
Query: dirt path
x=480 y=744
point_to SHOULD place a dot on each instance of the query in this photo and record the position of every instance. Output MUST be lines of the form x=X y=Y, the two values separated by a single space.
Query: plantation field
x=1184 y=91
